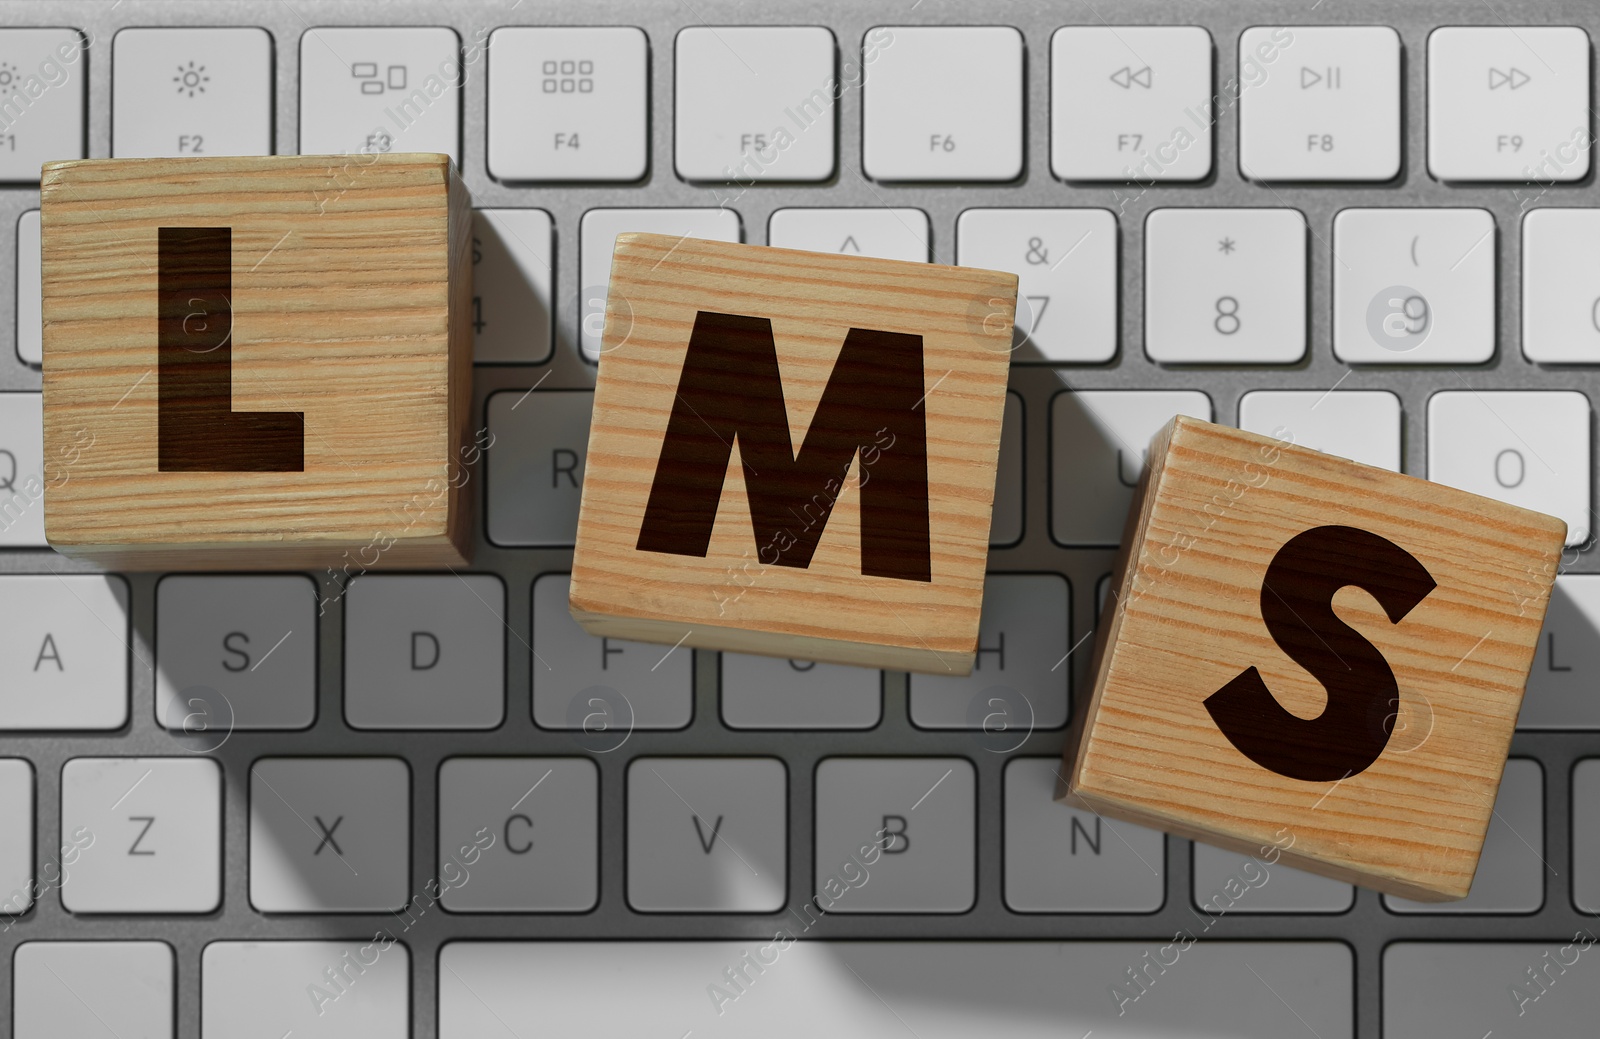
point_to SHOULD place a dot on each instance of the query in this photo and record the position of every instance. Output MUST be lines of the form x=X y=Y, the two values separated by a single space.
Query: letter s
x=1297 y=606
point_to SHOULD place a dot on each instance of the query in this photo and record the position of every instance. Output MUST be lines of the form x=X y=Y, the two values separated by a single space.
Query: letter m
x=730 y=391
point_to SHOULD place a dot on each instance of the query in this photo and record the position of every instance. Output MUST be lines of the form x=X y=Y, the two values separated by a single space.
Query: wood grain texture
x=351 y=293
x=738 y=596
x=1216 y=507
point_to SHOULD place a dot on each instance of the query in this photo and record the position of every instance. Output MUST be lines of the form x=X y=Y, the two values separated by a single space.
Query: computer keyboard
x=361 y=804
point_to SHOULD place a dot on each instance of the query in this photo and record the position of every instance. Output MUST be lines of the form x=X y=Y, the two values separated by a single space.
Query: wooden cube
x=1313 y=660
x=793 y=453
x=257 y=362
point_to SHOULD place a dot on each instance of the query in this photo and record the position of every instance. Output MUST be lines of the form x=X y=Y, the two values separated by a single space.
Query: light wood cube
x=1313 y=661
x=257 y=362
x=793 y=453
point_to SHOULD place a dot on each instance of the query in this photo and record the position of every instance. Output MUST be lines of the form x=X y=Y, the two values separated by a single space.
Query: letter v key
x=706 y=842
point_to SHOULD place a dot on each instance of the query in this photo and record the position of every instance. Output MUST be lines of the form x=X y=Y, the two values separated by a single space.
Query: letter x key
x=327 y=836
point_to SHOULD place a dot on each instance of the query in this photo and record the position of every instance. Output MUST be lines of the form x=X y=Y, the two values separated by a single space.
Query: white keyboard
x=248 y=805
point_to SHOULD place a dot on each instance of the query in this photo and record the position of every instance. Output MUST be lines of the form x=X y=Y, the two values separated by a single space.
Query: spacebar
x=874 y=989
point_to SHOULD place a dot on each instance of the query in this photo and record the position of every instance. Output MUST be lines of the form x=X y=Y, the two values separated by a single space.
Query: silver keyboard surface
x=602 y=792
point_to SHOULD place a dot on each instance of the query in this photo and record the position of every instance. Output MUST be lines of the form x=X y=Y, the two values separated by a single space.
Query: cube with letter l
x=257 y=361
x=793 y=453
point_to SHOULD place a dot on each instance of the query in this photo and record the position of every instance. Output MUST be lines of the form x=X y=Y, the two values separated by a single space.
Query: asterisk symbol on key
x=1225 y=246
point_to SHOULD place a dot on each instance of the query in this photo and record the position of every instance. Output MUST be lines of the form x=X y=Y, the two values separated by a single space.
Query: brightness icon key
x=42 y=78
x=178 y=92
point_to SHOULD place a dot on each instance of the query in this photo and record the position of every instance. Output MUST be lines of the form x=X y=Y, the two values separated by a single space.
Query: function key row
x=939 y=103
x=703 y=835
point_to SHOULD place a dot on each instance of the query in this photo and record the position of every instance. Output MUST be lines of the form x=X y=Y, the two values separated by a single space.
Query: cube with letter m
x=793 y=453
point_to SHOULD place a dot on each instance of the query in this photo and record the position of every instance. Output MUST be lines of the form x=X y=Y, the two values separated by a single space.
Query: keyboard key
x=602 y=687
x=1018 y=682
x=22 y=471
x=1586 y=835
x=376 y=90
x=1529 y=448
x=1512 y=871
x=41 y=100
x=707 y=835
x=891 y=234
x=30 y=320
x=1413 y=286
x=1566 y=666
x=1131 y=103
x=1062 y=860
x=895 y=835
x=599 y=237
x=1499 y=989
x=519 y=835
x=1327 y=108
x=16 y=854
x=1225 y=285
x=425 y=651
x=63 y=652
x=66 y=990
x=1098 y=440
x=329 y=835
x=769 y=693
x=512 y=308
x=310 y=990
x=535 y=467
x=942 y=103
x=1362 y=425
x=191 y=92
x=734 y=123
x=236 y=652
x=157 y=826
x=1066 y=264
x=1226 y=882
x=568 y=103
x=1508 y=103
x=1560 y=309
x=1005 y=521
x=929 y=989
